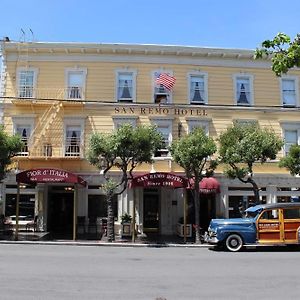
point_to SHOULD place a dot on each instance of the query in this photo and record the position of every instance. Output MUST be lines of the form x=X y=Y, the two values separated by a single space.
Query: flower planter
x=126 y=229
x=188 y=230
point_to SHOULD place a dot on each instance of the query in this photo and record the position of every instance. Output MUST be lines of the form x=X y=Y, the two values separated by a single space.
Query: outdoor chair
x=32 y=225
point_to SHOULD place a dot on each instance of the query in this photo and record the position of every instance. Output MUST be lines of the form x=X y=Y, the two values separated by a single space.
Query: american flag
x=166 y=80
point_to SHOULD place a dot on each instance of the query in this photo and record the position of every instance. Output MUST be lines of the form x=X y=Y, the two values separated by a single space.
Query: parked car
x=266 y=224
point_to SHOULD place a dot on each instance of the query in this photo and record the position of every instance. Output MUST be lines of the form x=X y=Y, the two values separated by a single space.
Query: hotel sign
x=160 y=111
x=159 y=179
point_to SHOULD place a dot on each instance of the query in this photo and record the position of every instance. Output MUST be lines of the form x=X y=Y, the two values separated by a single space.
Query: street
x=91 y=272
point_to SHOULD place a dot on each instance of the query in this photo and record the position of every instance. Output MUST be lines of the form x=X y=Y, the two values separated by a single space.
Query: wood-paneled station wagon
x=267 y=224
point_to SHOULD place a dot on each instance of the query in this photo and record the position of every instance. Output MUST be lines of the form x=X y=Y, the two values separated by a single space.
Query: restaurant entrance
x=60 y=214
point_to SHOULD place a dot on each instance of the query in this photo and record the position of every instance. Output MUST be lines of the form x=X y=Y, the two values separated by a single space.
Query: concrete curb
x=106 y=244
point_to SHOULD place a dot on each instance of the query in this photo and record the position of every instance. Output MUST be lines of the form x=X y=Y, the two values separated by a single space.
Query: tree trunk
x=255 y=191
x=110 y=219
x=197 y=214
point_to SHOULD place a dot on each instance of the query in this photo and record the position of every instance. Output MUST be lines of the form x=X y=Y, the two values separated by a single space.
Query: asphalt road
x=90 y=272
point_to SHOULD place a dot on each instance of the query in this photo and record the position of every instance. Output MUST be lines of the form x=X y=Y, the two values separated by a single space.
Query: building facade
x=56 y=94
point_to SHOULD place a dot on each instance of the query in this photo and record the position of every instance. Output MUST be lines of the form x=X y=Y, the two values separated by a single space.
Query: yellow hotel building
x=56 y=94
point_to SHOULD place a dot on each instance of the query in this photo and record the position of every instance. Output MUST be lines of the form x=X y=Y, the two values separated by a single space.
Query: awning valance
x=159 y=179
x=48 y=175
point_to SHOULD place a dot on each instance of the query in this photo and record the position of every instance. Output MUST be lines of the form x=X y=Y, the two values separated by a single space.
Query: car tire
x=234 y=243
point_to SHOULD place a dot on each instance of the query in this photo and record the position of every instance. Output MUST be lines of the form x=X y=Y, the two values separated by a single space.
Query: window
x=23 y=126
x=291 y=134
x=73 y=141
x=291 y=213
x=161 y=94
x=243 y=89
x=26 y=205
x=270 y=215
x=125 y=86
x=26 y=82
x=192 y=124
x=198 y=88
x=119 y=121
x=289 y=93
x=75 y=79
x=165 y=128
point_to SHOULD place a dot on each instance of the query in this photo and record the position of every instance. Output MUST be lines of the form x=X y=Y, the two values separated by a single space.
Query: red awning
x=207 y=185
x=48 y=175
x=159 y=179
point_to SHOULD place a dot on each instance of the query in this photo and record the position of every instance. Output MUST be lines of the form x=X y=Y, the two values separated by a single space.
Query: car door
x=291 y=221
x=270 y=227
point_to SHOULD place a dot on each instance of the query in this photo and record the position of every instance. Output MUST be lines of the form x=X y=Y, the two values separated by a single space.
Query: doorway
x=60 y=214
x=151 y=210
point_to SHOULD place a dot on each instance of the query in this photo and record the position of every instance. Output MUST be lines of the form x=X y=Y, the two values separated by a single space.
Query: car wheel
x=234 y=243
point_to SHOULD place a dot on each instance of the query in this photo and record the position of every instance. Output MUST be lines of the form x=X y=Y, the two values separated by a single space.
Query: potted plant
x=126 y=225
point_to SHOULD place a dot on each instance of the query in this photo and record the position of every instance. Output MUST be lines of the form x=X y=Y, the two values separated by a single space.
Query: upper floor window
x=74 y=133
x=165 y=128
x=193 y=124
x=75 y=80
x=289 y=93
x=119 y=121
x=23 y=126
x=163 y=82
x=243 y=89
x=198 y=88
x=26 y=80
x=291 y=134
x=126 y=86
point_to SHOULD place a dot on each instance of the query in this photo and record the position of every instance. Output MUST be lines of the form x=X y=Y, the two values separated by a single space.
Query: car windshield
x=250 y=214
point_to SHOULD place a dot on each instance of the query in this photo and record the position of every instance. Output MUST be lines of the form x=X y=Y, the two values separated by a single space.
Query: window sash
x=290 y=138
x=26 y=84
x=75 y=84
x=243 y=93
x=288 y=92
x=24 y=131
x=73 y=141
x=197 y=85
x=125 y=86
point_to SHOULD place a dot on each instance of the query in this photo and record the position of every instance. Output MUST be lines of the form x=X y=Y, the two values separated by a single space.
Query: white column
x=271 y=193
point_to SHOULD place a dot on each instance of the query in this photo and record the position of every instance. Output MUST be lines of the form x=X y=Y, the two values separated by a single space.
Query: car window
x=271 y=214
x=291 y=213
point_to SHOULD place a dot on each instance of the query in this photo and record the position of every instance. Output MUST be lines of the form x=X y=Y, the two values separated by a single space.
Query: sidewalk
x=141 y=241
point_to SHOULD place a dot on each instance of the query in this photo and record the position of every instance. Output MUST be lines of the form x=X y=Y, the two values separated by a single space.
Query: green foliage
x=125 y=148
x=292 y=160
x=10 y=146
x=193 y=151
x=284 y=52
x=126 y=218
x=244 y=144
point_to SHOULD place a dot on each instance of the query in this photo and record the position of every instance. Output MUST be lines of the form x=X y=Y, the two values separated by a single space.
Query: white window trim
x=134 y=75
x=295 y=79
x=246 y=76
x=70 y=70
x=35 y=75
x=24 y=120
x=74 y=121
x=166 y=123
x=123 y=120
x=204 y=124
x=170 y=72
x=290 y=126
x=205 y=78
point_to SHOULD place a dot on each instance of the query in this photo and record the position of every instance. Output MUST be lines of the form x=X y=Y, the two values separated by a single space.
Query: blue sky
x=224 y=24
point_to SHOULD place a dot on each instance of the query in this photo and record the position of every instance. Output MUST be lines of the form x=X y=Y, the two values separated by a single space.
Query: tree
x=243 y=145
x=292 y=160
x=10 y=146
x=192 y=153
x=123 y=150
x=284 y=52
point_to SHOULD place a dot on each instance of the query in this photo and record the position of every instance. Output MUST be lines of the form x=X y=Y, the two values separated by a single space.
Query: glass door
x=151 y=212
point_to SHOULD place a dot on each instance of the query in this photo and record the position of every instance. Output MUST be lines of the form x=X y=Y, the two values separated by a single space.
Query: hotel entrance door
x=151 y=211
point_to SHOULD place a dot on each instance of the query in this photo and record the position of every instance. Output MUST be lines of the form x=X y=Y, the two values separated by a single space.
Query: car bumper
x=212 y=240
